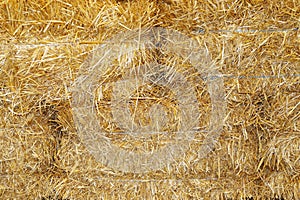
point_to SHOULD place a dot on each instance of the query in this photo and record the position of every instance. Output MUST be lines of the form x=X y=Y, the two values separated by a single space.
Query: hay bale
x=253 y=44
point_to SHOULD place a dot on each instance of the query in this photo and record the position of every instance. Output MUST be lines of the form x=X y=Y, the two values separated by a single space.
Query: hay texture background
x=255 y=45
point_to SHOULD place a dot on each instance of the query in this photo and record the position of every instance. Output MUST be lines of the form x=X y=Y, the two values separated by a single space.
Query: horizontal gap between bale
x=253 y=76
x=135 y=180
x=199 y=31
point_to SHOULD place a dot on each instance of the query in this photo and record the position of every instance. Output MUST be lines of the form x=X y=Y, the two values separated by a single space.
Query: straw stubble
x=253 y=44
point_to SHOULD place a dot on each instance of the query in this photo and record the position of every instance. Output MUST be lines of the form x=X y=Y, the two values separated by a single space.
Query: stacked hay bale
x=254 y=44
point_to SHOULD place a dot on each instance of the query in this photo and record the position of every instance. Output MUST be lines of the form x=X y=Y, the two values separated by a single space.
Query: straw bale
x=254 y=44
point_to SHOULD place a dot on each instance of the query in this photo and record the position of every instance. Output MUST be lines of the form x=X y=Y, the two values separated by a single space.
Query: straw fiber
x=191 y=100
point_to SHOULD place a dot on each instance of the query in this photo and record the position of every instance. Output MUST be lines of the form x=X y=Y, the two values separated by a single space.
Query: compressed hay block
x=253 y=44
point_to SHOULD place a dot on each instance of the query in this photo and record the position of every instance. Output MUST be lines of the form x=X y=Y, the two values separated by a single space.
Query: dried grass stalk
x=255 y=46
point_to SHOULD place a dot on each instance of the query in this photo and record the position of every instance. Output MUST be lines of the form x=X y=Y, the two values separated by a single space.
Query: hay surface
x=255 y=45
